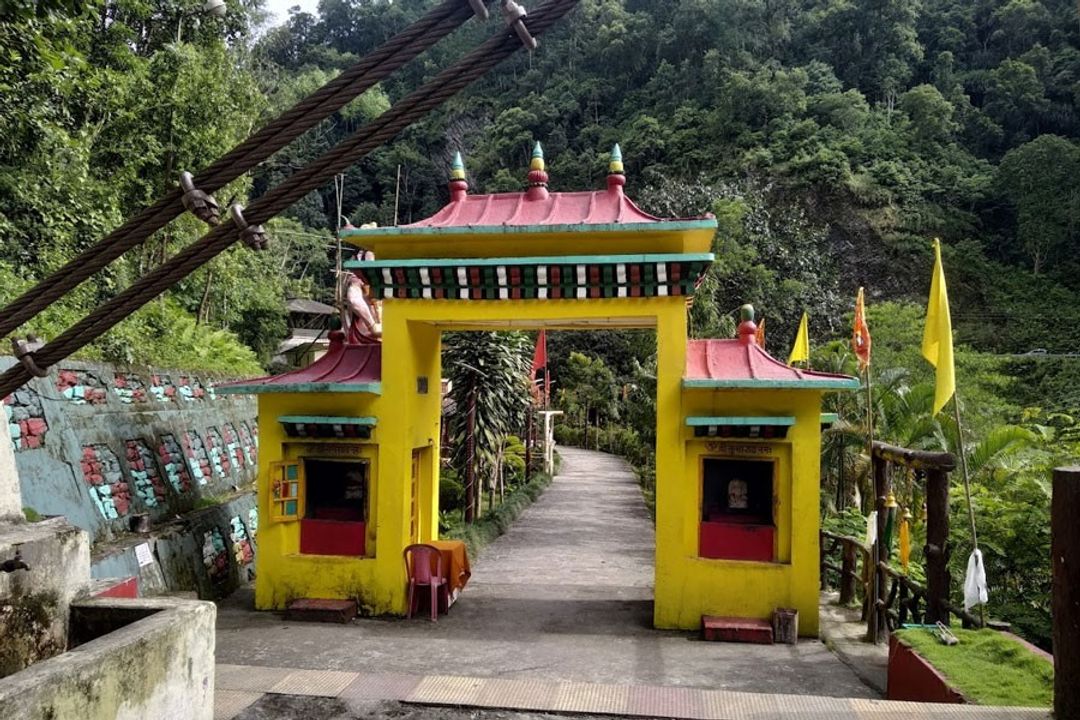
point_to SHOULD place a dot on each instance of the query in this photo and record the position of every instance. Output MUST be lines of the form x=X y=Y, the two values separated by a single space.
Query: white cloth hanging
x=975 y=581
x=871 y=528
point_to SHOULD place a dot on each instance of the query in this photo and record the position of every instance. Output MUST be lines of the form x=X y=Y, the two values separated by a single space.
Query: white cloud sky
x=280 y=8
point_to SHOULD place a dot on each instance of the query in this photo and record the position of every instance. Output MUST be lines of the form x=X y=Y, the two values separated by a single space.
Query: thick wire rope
x=379 y=64
x=372 y=136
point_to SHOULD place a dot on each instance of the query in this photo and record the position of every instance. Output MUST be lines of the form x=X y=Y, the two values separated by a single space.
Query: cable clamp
x=197 y=202
x=514 y=16
x=254 y=236
x=479 y=8
x=24 y=353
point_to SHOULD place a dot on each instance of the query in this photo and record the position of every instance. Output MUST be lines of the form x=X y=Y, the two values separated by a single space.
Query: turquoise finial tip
x=538 y=151
x=458 y=163
x=616 y=152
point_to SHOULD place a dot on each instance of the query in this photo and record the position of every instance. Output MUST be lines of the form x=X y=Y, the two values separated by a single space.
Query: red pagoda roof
x=742 y=364
x=538 y=210
x=346 y=367
x=600 y=207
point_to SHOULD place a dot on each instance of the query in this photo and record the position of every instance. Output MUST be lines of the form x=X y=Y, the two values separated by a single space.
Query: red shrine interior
x=335 y=521
x=737 y=510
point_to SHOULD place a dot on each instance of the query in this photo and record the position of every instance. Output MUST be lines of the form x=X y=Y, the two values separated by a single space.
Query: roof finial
x=459 y=186
x=615 y=178
x=747 y=328
x=538 y=177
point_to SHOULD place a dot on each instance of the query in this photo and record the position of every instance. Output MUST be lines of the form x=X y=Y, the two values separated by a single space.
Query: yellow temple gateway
x=349 y=458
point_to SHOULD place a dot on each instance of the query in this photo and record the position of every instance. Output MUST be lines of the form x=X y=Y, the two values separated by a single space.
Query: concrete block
x=153 y=658
x=734 y=629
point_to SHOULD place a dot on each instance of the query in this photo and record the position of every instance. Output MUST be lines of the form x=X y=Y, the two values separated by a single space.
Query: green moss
x=987 y=667
x=32 y=515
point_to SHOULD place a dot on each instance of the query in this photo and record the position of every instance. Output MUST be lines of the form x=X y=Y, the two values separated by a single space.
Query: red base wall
x=332 y=537
x=912 y=678
x=736 y=542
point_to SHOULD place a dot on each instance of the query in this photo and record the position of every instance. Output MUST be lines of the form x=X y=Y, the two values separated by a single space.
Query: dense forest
x=831 y=138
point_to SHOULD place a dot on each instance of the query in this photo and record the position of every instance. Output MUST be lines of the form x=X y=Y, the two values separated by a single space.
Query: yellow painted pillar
x=670 y=458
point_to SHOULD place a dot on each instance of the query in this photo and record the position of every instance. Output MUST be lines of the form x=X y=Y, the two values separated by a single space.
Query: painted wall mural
x=129 y=388
x=197 y=457
x=233 y=446
x=162 y=388
x=215 y=556
x=101 y=470
x=243 y=552
x=26 y=419
x=172 y=460
x=81 y=387
x=190 y=389
x=219 y=458
x=149 y=485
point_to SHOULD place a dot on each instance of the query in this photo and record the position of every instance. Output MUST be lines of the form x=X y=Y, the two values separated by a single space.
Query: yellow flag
x=801 y=349
x=937 y=345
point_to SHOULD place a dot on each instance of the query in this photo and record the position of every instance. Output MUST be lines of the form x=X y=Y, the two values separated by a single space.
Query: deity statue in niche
x=362 y=312
x=738 y=497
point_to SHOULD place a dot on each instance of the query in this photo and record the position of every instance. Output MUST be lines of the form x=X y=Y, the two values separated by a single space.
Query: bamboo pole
x=967 y=487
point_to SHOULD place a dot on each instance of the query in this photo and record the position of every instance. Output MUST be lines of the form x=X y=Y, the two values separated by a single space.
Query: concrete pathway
x=564 y=596
x=257 y=693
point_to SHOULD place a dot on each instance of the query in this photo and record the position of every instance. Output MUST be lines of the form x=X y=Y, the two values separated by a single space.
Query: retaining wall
x=101 y=444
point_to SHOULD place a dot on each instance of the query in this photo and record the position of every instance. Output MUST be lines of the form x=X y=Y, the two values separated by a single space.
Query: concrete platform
x=239 y=687
x=565 y=595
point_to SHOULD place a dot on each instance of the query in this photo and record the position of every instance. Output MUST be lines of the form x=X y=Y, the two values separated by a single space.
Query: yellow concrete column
x=670 y=457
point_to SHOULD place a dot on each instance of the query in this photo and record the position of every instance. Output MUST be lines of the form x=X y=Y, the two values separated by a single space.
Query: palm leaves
x=489 y=376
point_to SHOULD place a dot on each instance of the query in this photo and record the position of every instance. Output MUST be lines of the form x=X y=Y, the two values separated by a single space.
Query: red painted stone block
x=36 y=426
x=32 y=441
x=319 y=610
x=912 y=678
x=118 y=588
x=735 y=629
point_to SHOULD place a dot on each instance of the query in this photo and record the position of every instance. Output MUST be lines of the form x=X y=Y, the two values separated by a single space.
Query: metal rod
x=967 y=485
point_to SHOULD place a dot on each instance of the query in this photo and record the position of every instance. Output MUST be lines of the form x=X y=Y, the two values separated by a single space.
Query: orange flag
x=759 y=336
x=860 y=337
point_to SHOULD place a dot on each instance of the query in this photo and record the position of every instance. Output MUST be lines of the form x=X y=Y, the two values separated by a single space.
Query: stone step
x=736 y=629
x=321 y=610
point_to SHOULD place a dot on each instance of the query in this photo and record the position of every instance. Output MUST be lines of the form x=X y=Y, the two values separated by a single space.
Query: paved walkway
x=564 y=596
x=256 y=693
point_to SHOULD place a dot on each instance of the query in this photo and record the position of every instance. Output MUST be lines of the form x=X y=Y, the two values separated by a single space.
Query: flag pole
x=869 y=424
x=967 y=486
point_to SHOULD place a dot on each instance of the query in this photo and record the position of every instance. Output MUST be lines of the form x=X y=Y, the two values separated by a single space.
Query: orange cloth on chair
x=455 y=563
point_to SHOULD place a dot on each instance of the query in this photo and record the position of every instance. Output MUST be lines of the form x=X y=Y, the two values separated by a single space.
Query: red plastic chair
x=424 y=567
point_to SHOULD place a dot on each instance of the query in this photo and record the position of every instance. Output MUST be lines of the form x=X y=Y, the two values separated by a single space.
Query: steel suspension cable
x=372 y=136
x=331 y=97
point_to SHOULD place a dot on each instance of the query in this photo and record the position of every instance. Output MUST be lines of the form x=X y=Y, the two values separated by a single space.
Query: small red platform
x=321 y=610
x=735 y=629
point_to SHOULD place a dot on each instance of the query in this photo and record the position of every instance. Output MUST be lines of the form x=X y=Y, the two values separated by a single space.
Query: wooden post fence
x=937 y=548
x=1065 y=557
x=936 y=467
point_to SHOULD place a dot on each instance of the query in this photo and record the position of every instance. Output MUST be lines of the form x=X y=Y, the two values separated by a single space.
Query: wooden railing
x=891 y=598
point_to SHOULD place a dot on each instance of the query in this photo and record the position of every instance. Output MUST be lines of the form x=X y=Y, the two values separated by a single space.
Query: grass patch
x=987 y=667
x=493 y=524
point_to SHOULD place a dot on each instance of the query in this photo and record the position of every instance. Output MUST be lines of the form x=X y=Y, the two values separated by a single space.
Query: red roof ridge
x=344 y=363
x=588 y=207
x=734 y=361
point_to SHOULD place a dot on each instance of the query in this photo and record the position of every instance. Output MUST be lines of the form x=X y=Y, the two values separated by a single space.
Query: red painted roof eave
x=595 y=209
x=732 y=364
x=345 y=366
